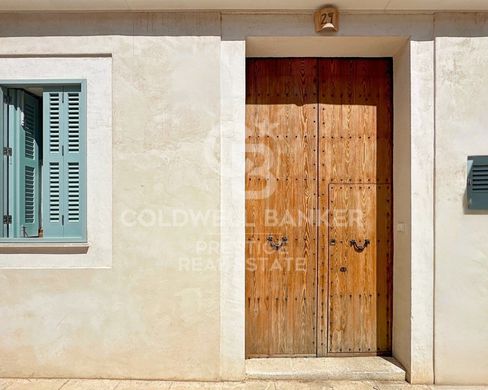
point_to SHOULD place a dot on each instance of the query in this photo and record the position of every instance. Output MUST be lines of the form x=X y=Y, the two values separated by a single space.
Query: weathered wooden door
x=319 y=171
x=281 y=123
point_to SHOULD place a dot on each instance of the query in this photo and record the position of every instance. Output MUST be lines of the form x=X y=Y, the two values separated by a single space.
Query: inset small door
x=359 y=269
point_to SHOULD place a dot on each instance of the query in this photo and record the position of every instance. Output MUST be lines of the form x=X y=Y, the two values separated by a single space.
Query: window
x=43 y=169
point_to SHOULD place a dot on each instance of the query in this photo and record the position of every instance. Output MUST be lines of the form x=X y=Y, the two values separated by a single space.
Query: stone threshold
x=371 y=368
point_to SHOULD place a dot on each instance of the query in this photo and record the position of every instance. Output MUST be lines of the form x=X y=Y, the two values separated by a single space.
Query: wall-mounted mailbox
x=478 y=182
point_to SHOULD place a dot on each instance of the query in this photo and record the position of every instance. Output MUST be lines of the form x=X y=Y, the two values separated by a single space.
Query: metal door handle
x=278 y=244
x=359 y=248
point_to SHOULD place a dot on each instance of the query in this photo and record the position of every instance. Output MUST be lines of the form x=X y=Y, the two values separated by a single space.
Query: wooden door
x=358 y=268
x=355 y=129
x=318 y=145
x=281 y=152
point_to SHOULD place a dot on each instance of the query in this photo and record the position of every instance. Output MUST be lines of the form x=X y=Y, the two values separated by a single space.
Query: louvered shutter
x=26 y=155
x=3 y=176
x=64 y=194
x=52 y=163
x=477 y=182
x=74 y=164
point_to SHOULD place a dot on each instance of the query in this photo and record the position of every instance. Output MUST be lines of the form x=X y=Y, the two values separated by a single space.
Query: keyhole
x=343 y=269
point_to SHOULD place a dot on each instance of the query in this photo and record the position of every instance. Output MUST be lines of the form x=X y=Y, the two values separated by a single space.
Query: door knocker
x=359 y=248
x=278 y=244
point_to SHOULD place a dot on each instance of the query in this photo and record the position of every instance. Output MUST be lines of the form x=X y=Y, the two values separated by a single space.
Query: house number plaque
x=326 y=19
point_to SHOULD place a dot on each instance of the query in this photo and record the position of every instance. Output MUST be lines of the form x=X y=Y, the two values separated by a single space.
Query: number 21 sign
x=326 y=19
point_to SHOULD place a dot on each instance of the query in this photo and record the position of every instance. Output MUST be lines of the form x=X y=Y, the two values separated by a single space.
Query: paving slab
x=99 y=384
x=94 y=384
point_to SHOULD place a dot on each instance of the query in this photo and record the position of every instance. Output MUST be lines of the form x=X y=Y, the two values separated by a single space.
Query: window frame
x=82 y=83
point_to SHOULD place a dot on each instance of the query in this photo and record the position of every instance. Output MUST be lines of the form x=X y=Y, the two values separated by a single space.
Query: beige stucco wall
x=461 y=272
x=155 y=312
x=170 y=302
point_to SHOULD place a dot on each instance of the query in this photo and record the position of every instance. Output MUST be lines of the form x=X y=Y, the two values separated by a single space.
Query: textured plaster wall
x=461 y=270
x=155 y=312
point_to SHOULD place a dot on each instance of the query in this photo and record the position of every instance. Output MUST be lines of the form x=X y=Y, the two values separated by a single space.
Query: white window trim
x=97 y=252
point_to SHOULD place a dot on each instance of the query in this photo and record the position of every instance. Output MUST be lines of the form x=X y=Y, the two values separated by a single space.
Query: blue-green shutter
x=27 y=157
x=3 y=164
x=52 y=163
x=64 y=164
x=23 y=168
x=74 y=164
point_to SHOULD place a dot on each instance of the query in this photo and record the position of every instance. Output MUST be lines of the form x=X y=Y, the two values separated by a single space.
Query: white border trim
x=232 y=230
x=97 y=71
x=414 y=347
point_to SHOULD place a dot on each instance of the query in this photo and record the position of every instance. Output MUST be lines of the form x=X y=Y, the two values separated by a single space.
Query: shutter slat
x=29 y=125
x=73 y=122
x=30 y=195
x=54 y=107
x=73 y=191
x=54 y=192
x=479 y=178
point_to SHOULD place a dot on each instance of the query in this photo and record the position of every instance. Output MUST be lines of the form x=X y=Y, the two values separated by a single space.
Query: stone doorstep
x=375 y=368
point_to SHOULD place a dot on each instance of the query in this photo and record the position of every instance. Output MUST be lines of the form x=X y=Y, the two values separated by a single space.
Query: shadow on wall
x=208 y=23
x=125 y=24
x=469 y=211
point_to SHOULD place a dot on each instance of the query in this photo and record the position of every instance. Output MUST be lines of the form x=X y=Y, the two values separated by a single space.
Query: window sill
x=44 y=247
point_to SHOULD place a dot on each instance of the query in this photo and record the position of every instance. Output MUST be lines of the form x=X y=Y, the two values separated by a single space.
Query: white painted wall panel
x=461 y=271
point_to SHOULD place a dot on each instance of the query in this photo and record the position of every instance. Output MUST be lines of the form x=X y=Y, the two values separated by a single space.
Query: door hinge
x=7 y=151
x=7 y=219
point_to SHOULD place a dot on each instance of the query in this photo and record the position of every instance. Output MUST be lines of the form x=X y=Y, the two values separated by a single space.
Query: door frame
x=412 y=182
